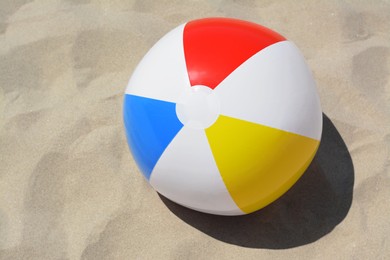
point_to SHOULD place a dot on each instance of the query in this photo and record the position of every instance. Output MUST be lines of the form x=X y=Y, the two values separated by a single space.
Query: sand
x=69 y=187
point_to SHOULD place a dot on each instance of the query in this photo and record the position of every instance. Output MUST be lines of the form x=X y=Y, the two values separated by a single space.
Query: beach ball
x=222 y=116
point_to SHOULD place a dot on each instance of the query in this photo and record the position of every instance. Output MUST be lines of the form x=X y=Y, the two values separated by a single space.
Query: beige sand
x=69 y=188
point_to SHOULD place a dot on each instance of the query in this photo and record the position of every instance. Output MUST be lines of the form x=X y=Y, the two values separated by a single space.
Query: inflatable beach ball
x=222 y=116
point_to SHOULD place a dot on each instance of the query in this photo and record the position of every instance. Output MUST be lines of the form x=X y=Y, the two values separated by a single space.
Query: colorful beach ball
x=222 y=116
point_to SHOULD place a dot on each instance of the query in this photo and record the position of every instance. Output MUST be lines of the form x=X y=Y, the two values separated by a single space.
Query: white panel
x=187 y=174
x=162 y=73
x=274 y=88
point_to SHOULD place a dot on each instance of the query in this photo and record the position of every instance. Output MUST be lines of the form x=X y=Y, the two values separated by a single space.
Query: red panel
x=214 y=47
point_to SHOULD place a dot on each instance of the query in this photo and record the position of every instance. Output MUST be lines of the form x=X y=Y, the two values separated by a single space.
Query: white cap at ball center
x=198 y=107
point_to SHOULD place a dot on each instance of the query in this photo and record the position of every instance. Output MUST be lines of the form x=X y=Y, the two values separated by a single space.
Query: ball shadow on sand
x=312 y=208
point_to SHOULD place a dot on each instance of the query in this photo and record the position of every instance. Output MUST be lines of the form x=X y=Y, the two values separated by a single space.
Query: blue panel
x=150 y=126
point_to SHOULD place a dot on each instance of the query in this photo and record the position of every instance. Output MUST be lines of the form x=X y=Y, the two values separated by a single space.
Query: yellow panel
x=258 y=163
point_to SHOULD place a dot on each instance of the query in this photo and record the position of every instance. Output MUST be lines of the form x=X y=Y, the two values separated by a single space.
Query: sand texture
x=69 y=187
